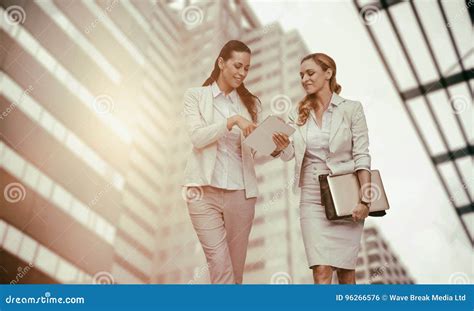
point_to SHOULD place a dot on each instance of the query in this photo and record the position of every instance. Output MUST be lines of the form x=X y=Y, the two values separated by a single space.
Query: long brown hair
x=250 y=101
x=308 y=102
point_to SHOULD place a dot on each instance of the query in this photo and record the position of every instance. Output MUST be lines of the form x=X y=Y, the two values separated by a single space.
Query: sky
x=421 y=226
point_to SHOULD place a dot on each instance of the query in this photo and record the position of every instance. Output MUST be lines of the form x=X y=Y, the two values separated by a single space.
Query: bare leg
x=322 y=274
x=346 y=276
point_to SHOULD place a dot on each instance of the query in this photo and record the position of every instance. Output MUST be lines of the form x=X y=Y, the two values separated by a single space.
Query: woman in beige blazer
x=220 y=184
x=331 y=137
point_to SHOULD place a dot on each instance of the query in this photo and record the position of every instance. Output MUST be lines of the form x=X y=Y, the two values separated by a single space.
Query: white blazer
x=204 y=133
x=348 y=139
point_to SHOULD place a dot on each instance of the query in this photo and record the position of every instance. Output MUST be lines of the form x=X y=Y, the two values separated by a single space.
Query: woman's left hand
x=360 y=212
x=281 y=141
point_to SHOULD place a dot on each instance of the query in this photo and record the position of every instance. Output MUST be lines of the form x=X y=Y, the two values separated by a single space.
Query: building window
x=360 y=275
x=254 y=266
x=374 y=258
x=370 y=231
x=259 y=220
x=256 y=242
x=254 y=40
x=371 y=245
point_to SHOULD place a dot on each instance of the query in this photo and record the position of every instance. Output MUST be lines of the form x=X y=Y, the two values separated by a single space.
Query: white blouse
x=317 y=139
x=228 y=170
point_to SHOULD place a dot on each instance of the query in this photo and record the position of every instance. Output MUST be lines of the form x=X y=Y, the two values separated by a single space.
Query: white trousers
x=222 y=220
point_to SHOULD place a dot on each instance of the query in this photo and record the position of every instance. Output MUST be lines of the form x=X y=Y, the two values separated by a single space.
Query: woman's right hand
x=245 y=125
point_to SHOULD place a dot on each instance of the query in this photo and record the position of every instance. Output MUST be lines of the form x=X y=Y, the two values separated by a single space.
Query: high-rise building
x=377 y=263
x=424 y=48
x=86 y=98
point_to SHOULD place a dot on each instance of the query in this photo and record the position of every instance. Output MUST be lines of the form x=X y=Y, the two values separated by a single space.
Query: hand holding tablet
x=261 y=139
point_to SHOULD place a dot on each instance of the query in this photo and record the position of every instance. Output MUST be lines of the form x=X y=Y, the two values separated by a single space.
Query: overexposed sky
x=421 y=226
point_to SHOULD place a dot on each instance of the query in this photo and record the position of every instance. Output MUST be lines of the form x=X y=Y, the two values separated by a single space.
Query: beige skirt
x=334 y=243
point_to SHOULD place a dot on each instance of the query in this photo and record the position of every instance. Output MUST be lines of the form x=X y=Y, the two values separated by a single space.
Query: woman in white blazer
x=331 y=137
x=220 y=182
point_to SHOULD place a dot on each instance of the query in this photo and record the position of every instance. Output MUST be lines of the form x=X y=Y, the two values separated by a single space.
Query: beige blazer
x=204 y=133
x=348 y=140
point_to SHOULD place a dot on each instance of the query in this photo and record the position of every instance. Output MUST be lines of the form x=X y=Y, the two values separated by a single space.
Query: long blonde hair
x=308 y=102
